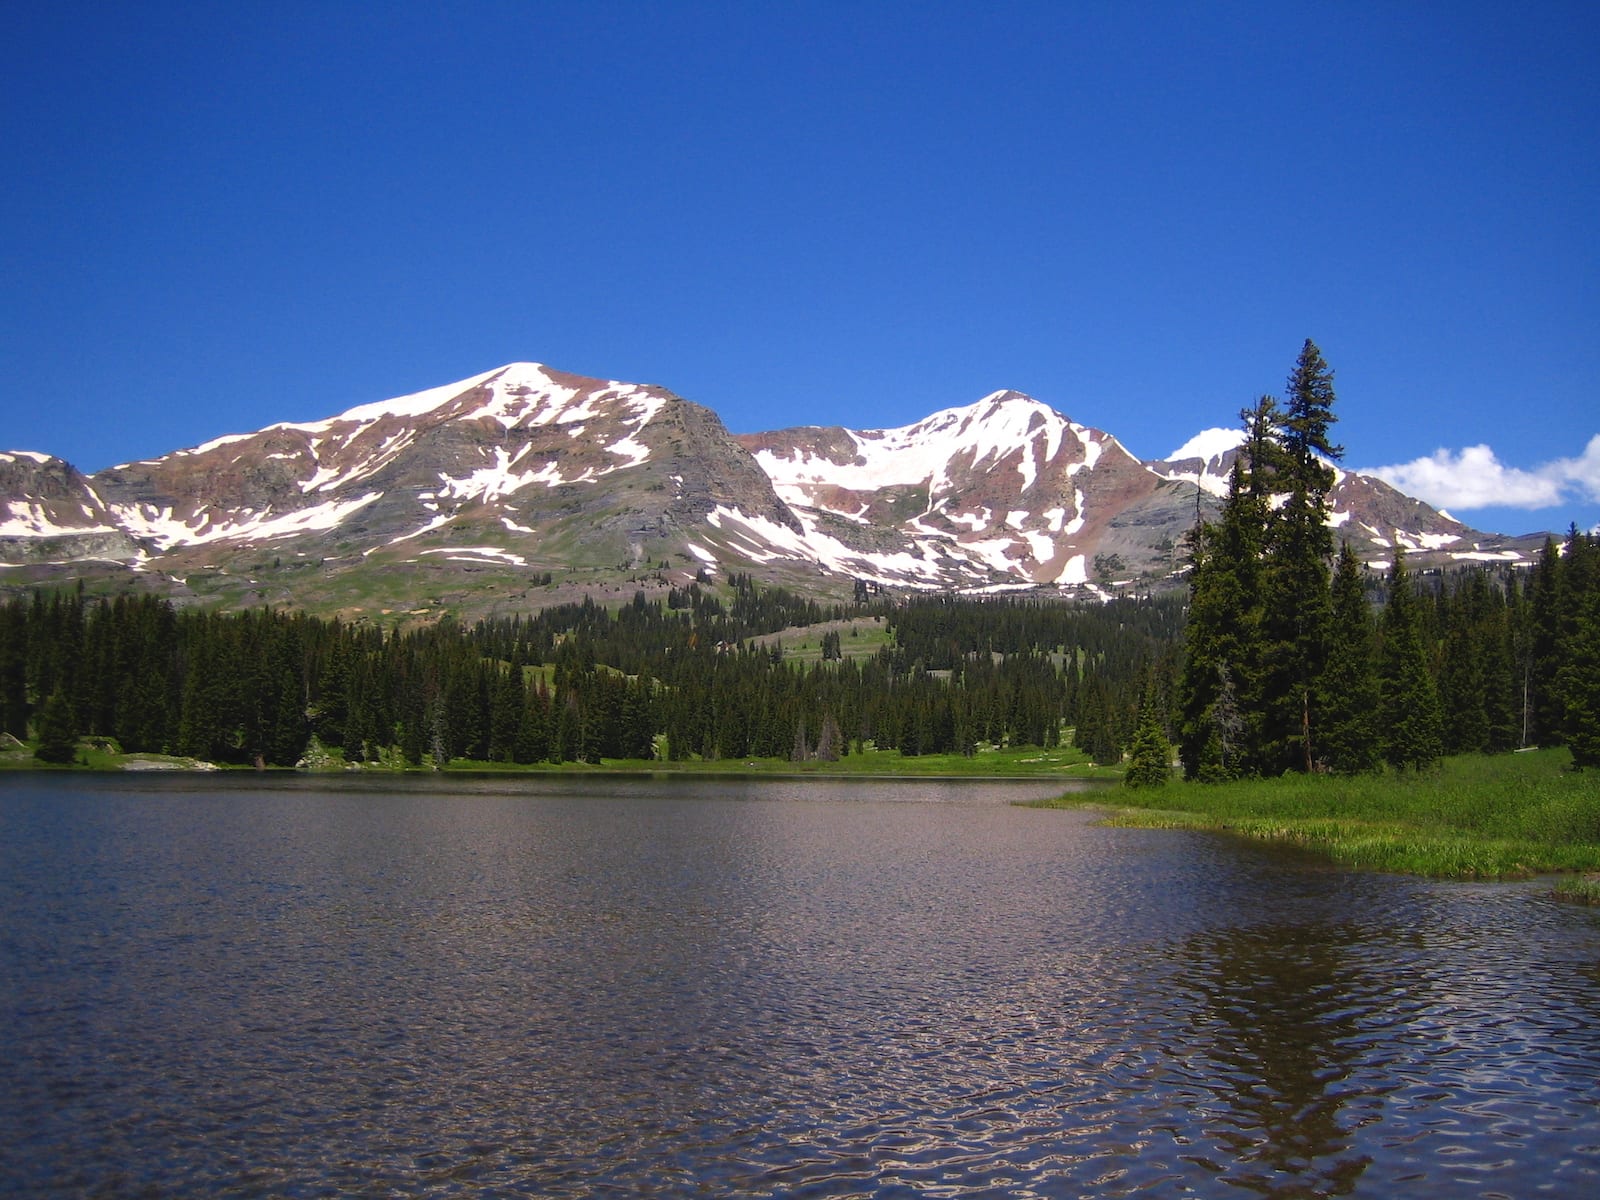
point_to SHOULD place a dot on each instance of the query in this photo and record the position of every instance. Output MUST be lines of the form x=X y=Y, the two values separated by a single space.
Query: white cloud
x=1475 y=478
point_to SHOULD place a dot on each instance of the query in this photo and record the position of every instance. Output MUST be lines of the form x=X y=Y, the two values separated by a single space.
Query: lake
x=605 y=987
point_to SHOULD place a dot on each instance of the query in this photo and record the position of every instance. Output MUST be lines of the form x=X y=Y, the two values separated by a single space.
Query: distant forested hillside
x=699 y=673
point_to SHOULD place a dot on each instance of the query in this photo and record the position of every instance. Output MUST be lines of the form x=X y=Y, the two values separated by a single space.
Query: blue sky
x=218 y=216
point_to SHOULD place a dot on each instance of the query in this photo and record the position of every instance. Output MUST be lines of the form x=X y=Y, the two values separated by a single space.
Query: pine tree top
x=1308 y=413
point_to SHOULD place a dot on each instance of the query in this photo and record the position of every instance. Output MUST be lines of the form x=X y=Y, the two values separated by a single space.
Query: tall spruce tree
x=1348 y=689
x=1222 y=635
x=1298 y=612
x=1462 y=683
x=1408 y=707
x=1545 y=719
x=1150 y=757
x=290 y=729
x=1578 y=676
x=1502 y=698
x=58 y=730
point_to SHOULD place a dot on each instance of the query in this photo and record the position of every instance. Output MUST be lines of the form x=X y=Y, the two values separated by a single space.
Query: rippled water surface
x=584 y=987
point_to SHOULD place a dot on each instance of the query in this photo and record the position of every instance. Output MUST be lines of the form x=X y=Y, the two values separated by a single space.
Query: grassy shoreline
x=1027 y=762
x=1476 y=817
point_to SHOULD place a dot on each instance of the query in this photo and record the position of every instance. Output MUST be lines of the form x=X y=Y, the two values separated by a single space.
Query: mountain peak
x=1207 y=445
x=1007 y=396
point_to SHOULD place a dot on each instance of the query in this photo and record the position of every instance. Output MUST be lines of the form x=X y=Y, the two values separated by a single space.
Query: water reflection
x=1282 y=1013
x=589 y=989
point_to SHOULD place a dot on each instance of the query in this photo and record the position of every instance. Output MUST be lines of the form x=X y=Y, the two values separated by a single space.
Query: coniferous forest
x=1296 y=660
x=681 y=678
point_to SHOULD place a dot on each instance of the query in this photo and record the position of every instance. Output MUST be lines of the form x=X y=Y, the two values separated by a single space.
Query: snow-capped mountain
x=1002 y=492
x=525 y=484
x=489 y=454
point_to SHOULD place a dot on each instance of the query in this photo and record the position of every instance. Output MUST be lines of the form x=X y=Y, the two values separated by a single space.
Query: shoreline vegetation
x=1509 y=816
x=1020 y=762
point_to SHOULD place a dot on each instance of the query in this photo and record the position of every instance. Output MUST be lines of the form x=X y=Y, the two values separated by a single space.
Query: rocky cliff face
x=525 y=485
x=49 y=512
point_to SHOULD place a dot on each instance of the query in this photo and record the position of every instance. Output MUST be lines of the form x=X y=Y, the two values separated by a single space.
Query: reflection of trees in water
x=1280 y=1012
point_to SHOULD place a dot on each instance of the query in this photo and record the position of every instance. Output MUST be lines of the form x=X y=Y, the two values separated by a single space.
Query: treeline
x=1288 y=668
x=687 y=676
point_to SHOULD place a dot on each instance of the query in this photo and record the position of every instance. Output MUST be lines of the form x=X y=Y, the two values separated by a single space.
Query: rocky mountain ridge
x=526 y=485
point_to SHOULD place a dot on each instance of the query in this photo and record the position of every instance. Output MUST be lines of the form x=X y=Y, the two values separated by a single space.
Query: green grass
x=1580 y=891
x=859 y=637
x=1476 y=817
x=1021 y=762
x=988 y=762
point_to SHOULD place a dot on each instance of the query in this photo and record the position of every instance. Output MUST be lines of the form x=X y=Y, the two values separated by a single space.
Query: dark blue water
x=586 y=988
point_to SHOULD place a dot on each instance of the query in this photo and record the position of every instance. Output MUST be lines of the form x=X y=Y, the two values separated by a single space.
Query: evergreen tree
x=1545 y=718
x=829 y=740
x=14 y=709
x=1348 y=689
x=202 y=729
x=1408 y=707
x=1297 y=610
x=58 y=731
x=1222 y=635
x=533 y=730
x=567 y=745
x=290 y=727
x=638 y=721
x=1150 y=761
x=1578 y=677
x=802 y=746
x=1462 y=692
x=1580 y=680
x=1501 y=705
x=505 y=713
x=1308 y=415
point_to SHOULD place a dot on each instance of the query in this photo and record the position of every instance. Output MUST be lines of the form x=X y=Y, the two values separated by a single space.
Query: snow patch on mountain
x=162 y=527
x=489 y=483
x=29 y=519
x=765 y=540
x=1426 y=541
x=1075 y=573
x=921 y=453
x=416 y=404
x=331 y=477
x=435 y=523
x=468 y=554
x=1208 y=445
x=1092 y=449
x=1075 y=526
